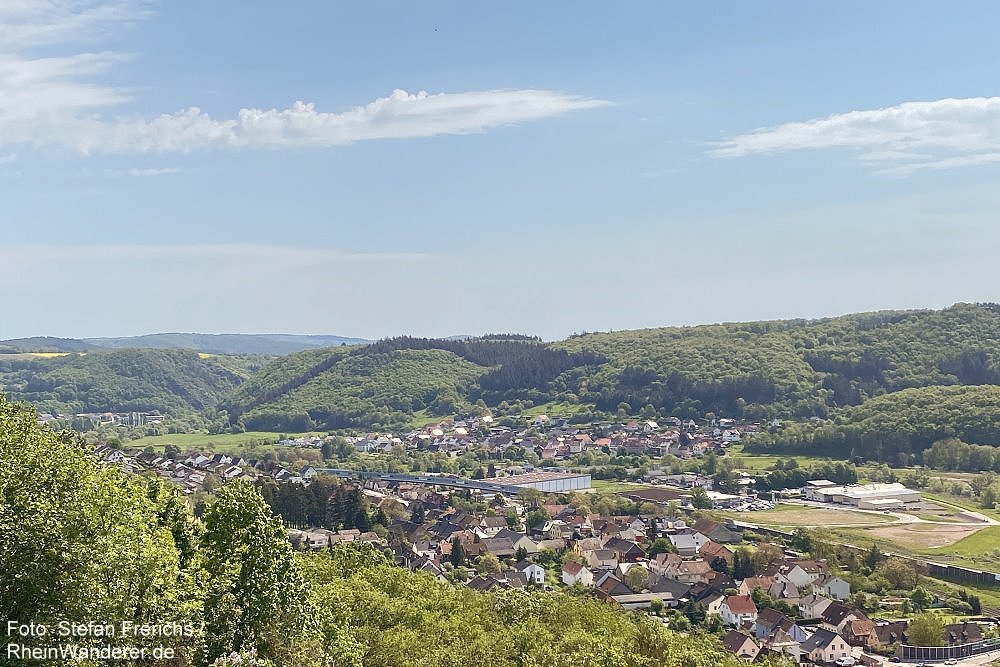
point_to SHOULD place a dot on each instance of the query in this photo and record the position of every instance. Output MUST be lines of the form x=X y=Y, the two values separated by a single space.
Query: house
x=837 y=616
x=738 y=610
x=740 y=645
x=625 y=551
x=601 y=559
x=691 y=571
x=717 y=532
x=832 y=587
x=962 y=633
x=771 y=620
x=575 y=573
x=687 y=544
x=825 y=646
x=812 y=606
x=712 y=550
x=860 y=633
x=751 y=584
x=534 y=572
x=781 y=643
x=891 y=632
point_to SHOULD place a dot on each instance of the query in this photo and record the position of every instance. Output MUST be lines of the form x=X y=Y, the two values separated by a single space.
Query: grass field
x=789 y=515
x=225 y=443
x=765 y=462
x=608 y=486
x=964 y=503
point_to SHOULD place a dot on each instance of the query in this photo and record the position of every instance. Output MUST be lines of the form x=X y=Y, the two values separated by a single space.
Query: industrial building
x=822 y=490
x=550 y=482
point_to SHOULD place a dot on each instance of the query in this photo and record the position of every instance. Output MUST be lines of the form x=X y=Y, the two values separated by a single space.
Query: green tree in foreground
x=926 y=629
x=256 y=596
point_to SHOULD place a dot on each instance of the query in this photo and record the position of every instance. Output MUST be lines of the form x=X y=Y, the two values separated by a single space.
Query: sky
x=379 y=168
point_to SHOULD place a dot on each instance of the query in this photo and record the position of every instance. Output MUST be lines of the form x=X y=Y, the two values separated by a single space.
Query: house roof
x=572 y=567
x=740 y=604
x=737 y=642
x=820 y=638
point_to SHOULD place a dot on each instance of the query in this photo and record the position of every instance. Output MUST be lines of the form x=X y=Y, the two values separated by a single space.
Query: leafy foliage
x=374 y=614
x=171 y=381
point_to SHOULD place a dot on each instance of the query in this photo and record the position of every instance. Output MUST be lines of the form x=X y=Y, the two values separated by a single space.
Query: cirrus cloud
x=940 y=134
x=59 y=101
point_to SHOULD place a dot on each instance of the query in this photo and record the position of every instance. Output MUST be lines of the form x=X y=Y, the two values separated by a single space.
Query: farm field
x=789 y=515
x=225 y=443
x=765 y=462
x=608 y=486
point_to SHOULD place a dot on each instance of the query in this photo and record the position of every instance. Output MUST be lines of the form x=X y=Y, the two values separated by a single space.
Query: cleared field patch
x=225 y=443
x=790 y=515
x=938 y=512
x=923 y=536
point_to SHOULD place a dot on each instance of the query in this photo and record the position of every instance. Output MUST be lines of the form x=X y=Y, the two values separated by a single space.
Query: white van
x=846 y=661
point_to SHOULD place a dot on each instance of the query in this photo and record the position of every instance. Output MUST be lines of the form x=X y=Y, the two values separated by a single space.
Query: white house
x=575 y=573
x=737 y=610
x=534 y=572
x=833 y=587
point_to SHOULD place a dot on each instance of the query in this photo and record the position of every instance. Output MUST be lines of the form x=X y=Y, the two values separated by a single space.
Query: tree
x=637 y=578
x=921 y=599
x=926 y=629
x=417 y=514
x=488 y=564
x=700 y=499
x=873 y=557
x=656 y=606
x=661 y=545
x=457 y=553
x=720 y=564
x=742 y=563
x=256 y=595
x=801 y=540
x=536 y=518
x=900 y=574
x=765 y=554
x=531 y=496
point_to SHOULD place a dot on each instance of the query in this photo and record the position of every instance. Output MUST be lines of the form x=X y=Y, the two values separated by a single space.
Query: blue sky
x=377 y=168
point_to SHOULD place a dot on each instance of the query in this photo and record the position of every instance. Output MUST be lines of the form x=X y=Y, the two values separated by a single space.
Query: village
x=661 y=551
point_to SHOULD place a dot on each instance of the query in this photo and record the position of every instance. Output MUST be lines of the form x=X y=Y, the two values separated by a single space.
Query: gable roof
x=741 y=604
x=820 y=638
x=736 y=642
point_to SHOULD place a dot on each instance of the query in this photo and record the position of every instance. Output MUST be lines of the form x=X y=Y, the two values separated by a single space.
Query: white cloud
x=11 y=158
x=56 y=102
x=940 y=134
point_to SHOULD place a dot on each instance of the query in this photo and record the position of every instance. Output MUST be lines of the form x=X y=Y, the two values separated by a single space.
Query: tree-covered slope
x=374 y=389
x=172 y=381
x=793 y=367
x=894 y=427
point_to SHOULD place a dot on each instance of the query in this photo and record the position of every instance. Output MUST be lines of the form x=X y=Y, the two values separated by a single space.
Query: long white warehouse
x=855 y=494
x=550 y=482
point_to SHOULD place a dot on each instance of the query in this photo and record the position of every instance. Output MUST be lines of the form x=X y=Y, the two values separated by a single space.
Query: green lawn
x=225 y=443
x=964 y=503
x=610 y=486
x=765 y=462
x=981 y=550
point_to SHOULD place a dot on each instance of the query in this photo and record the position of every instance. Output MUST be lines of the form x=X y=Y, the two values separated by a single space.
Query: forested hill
x=788 y=369
x=166 y=381
x=272 y=344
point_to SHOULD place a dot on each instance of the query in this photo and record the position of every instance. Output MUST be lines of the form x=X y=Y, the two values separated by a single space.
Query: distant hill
x=43 y=344
x=273 y=344
x=828 y=368
x=757 y=370
x=170 y=381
